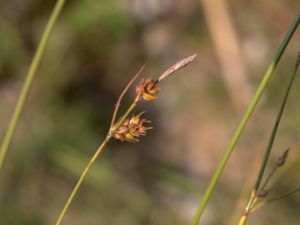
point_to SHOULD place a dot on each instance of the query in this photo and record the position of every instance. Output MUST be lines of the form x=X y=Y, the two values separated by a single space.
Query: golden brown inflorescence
x=147 y=90
x=132 y=129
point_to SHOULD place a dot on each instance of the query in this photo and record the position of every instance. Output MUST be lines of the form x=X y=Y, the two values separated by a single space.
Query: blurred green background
x=94 y=50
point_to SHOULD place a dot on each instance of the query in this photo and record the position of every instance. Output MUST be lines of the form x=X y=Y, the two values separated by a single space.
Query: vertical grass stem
x=28 y=81
x=262 y=86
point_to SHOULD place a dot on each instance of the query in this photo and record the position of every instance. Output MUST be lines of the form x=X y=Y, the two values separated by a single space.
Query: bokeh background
x=94 y=50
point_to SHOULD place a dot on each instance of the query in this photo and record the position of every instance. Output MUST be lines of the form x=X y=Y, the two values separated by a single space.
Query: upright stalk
x=110 y=134
x=275 y=128
x=79 y=182
x=28 y=81
x=147 y=88
x=257 y=187
x=242 y=125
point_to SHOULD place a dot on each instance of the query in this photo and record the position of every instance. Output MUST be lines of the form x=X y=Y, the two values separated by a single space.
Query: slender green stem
x=274 y=131
x=123 y=118
x=79 y=182
x=284 y=195
x=253 y=198
x=239 y=130
x=28 y=81
x=93 y=159
x=269 y=177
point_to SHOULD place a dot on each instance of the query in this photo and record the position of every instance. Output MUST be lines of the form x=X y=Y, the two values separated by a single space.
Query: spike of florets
x=132 y=129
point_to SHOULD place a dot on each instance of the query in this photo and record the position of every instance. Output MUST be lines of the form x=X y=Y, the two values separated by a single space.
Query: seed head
x=148 y=90
x=262 y=193
x=132 y=129
x=281 y=160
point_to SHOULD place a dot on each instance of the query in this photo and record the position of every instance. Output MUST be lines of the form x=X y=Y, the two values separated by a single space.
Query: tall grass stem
x=275 y=128
x=262 y=86
x=28 y=81
x=79 y=182
x=257 y=187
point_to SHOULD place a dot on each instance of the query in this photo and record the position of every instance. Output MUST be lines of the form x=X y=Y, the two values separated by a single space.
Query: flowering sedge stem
x=79 y=182
x=91 y=162
x=112 y=131
x=243 y=123
x=28 y=81
x=123 y=118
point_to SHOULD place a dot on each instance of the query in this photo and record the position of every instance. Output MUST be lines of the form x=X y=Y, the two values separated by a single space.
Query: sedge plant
x=261 y=190
x=131 y=129
x=125 y=128
x=238 y=132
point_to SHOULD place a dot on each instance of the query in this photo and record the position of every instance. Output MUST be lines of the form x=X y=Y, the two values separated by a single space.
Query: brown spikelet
x=281 y=160
x=132 y=129
x=148 y=90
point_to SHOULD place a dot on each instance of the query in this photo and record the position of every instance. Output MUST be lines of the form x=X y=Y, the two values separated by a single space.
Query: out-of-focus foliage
x=94 y=50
